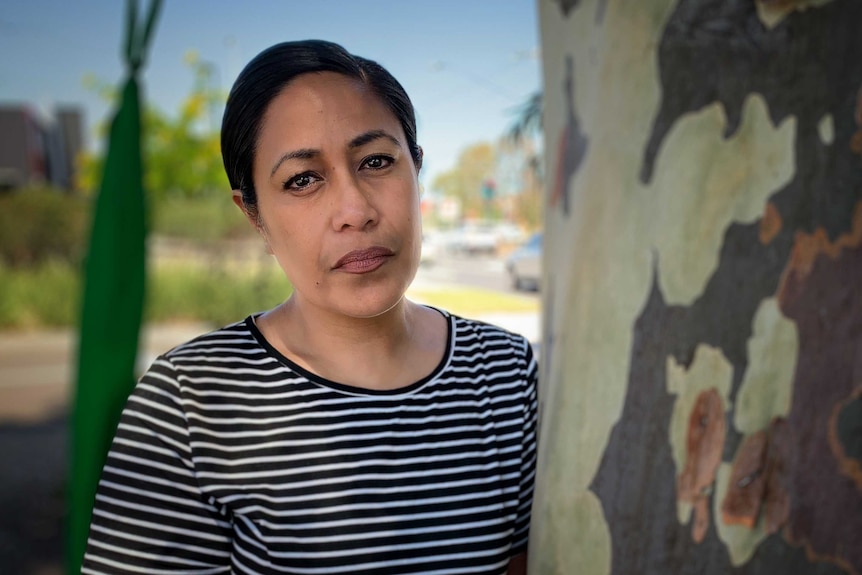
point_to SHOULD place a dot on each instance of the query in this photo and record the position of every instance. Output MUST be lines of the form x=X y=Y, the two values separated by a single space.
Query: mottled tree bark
x=702 y=361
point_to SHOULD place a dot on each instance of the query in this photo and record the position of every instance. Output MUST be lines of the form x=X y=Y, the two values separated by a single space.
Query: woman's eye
x=300 y=181
x=377 y=162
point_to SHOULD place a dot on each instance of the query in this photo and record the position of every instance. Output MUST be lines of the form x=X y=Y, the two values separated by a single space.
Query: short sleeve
x=528 y=453
x=150 y=515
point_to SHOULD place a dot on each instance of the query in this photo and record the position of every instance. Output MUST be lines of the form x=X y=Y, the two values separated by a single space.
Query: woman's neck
x=385 y=351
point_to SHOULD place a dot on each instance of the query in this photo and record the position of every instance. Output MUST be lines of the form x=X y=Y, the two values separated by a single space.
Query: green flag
x=115 y=273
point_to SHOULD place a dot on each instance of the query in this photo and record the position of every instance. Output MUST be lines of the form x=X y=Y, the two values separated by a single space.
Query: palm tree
x=528 y=123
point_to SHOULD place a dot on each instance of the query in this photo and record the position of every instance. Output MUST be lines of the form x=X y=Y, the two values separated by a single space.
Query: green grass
x=46 y=295
x=49 y=295
x=473 y=301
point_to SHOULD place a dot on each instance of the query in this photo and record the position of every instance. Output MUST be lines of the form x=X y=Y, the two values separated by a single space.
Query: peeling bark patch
x=770 y=224
x=571 y=147
x=808 y=247
x=821 y=292
x=704 y=443
x=758 y=480
x=744 y=495
x=636 y=479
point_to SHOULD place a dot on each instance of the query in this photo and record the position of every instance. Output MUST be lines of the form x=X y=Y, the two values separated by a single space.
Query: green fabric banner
x=115 y=273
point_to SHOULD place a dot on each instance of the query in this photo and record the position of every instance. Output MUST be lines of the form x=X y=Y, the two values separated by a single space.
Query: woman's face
x=338 y=195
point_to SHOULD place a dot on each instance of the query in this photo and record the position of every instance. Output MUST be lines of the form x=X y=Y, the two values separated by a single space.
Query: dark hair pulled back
x=267 y=75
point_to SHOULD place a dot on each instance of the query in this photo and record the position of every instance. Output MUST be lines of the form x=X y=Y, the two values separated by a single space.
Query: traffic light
x=489 y=189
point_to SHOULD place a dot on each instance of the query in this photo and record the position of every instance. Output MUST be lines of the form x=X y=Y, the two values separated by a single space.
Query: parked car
x=474 y=238
x=524 y=265
x=431 y=248
x=509 y=234
x=484 y=237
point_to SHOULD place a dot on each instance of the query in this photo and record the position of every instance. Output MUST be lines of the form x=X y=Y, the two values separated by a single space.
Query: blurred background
x=472 y=69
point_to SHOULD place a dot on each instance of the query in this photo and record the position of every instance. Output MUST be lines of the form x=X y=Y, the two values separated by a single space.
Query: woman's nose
x=354 y=206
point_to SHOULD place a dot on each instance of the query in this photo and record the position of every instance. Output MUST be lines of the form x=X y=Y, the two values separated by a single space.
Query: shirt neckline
x=352 y=389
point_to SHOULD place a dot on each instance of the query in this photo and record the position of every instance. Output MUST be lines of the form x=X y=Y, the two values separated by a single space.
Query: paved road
x=487 y=272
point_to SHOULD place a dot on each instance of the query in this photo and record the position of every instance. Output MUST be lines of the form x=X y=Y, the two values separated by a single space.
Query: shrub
x=202 y=219
x=49 y=294
x=214 y=294
x=44 y=295
x=41 y=224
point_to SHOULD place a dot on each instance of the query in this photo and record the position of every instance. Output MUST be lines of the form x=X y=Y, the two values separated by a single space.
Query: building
x=39 y=150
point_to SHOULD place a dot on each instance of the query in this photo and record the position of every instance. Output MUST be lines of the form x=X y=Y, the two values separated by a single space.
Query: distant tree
x=526 y=128
x=521 y=160
x=181 y=152
x=464 y=182
x=523 y=140
x=528 y=119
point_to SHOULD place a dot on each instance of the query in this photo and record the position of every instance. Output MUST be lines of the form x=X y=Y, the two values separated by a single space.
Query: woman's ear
x=237 y=200
x=252 y=217
x=420 y=154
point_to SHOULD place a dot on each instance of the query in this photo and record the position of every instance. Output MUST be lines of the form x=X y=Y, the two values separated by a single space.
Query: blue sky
x=467 y=64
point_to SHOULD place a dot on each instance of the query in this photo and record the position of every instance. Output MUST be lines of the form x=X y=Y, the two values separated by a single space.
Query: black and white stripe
x=230 y=458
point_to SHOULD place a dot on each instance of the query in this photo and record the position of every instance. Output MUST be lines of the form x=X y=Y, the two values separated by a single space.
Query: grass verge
x=470 y=302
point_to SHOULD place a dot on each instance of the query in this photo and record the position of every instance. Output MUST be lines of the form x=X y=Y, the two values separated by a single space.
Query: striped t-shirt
x=230 y=458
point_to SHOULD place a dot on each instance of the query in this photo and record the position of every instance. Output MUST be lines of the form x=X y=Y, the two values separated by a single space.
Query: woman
x=347 y=430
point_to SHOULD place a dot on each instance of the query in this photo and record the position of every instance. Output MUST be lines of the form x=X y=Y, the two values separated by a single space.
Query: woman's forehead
x=315 y=105
x=326 y=92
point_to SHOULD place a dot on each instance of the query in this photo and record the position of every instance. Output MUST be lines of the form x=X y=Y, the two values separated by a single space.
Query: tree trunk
x=702 y=336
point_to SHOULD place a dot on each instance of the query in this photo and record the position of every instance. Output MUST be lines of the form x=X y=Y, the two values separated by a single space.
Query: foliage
x=43 y=295
x=214 y=294
x=48 y=295
x=464 y=181
x=181 y=154
x=527 y=128
x=528 y=119
x=527 y=204
x=203 y=219
x=525 y=133
x=40 y=224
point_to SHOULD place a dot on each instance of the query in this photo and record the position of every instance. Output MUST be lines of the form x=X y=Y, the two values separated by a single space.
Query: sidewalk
x=36 y=368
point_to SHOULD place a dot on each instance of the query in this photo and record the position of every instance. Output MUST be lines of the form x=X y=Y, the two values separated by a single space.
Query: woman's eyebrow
x=370 y=136
x=357 y=142
x=301 y=154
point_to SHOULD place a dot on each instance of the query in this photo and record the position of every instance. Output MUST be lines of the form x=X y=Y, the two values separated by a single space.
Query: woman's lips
x=363 y=261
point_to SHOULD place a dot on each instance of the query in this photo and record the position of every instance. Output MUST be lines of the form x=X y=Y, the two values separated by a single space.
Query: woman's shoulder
x=471 y=335
x=481 y=329
x=231 y=354
x=234 y=338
